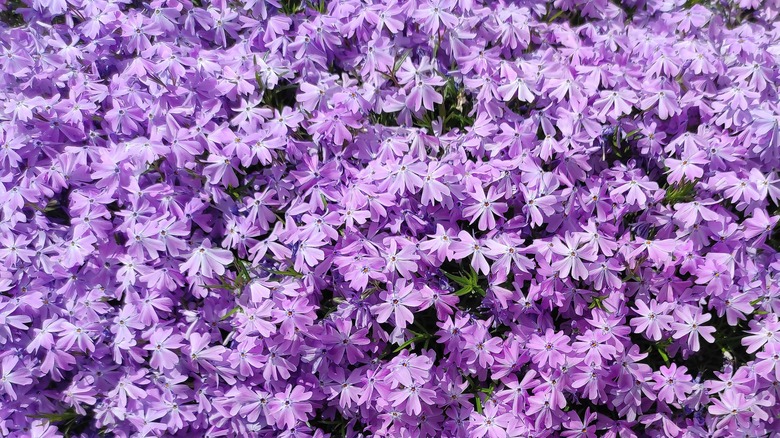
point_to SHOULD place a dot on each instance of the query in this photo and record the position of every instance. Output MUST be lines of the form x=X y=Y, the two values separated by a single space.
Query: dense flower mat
x=441 y=218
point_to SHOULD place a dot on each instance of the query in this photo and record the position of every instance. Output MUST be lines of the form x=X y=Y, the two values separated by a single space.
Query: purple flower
x=574 y=251
x=11 y=375
x=389 y=218
x=287 y=408
x=672 y=383
x=690 y=326
x=549 y=349
x=485 y=208
x=595 y=347
x=161 y=344
x=761 y=334
x=490 y=423
x=206 y=261
x=468 y=245
x=733 y=410
x=407 y=369
x=652 y=320
x=397 y=302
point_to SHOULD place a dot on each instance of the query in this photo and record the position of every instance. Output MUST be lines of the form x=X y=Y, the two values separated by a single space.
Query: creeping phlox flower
x=389 y=218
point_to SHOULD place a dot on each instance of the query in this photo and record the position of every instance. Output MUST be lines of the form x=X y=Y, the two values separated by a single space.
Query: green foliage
x=391 y=75
x=684 y=192
x=468 y=282
x=232 y=312
x=289 y=272
x=336 y=425
x=597 y=302
x=417 y=338
x=710 y=357
x=292 y=7
x=280 y=96
x=70 y=423
x=660 y=348
x=620 y=149
x=55 y=211
x=774 y=239
x=318 y=5
x=384 y=119
x=452 y=113
x=10 y=15
x=242 y=274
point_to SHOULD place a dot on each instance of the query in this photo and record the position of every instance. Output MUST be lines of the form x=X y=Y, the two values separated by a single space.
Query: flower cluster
x=287 y=218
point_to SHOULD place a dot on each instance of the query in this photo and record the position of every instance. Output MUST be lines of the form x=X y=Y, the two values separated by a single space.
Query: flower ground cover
x=444 y=218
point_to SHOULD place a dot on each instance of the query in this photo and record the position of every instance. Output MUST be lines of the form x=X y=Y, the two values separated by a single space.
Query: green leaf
x=616 y=138
x=463 y=291
x=56 y=417
x=318 y=6
x=489 y=390
x=418 y=337
x=597 y=302
x=232 y=312
x=400 y=61
x=684 y=192
x=215 y=286
x=554 y=17
x=662 y=351
x=463 y=281
x=290 y=7
x=222 y=285
x=423 y=330
x=632 y=133
x=468 y=282
x=289 y=272
x=387 y=75
x=242 y=272
x=474 y=278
